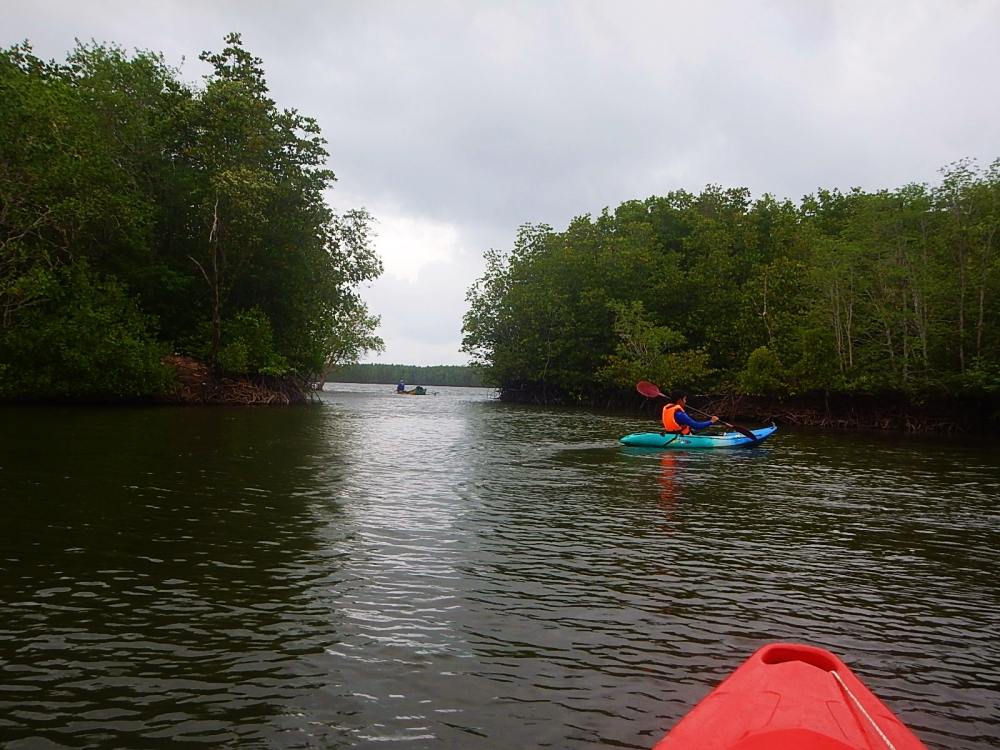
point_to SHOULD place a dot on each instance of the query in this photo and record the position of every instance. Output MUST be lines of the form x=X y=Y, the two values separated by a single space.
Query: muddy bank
x=195 y=384
x=890 y=412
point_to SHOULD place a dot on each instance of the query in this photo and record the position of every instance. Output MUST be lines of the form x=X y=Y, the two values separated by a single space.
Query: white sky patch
x=408 y=244
x=455 y=122
x=422 y=317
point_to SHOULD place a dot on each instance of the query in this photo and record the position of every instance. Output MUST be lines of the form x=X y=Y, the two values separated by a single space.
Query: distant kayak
x=670 y=440
x=788 y=696
x=418 y=391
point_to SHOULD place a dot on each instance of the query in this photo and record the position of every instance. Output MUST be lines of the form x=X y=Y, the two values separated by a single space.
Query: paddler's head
x=678 y=397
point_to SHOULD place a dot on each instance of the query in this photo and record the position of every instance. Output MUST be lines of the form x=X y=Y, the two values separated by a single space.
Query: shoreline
x=889 y=413
x=886 y=414
x=195 y=385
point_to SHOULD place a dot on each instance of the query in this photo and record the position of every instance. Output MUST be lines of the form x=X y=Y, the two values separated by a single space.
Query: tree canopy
x=852 y=292
x=141 y=215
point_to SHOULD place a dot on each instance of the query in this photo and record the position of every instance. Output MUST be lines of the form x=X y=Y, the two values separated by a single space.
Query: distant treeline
x=887 y=292
x=410 y=374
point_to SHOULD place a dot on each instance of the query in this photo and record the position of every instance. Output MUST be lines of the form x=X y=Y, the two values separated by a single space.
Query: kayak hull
x=788 y=696
x=669 y=440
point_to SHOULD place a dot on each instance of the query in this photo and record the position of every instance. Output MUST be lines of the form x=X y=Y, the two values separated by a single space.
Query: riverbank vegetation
x=410 y=374
x=142 y=217
x=891 y=293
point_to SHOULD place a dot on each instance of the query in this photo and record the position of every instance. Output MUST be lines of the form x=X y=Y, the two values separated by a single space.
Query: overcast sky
x=455 y=122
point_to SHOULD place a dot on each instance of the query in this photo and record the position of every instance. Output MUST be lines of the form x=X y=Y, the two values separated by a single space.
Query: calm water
x=450 y=572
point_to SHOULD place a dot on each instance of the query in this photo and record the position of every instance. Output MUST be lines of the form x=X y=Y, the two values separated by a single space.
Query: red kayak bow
x=791 y=697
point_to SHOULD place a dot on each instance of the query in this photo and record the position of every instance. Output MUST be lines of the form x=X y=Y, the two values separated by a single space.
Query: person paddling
x=401 y=387
x=675 y=419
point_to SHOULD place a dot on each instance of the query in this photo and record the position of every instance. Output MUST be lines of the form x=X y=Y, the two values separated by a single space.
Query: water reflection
x=668 y=483
x=447 y=571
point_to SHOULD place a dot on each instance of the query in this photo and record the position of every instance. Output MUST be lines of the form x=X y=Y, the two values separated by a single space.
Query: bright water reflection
x=447 y=571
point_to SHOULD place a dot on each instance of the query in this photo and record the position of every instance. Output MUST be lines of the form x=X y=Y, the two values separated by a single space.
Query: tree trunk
x=213 y=241
x=838 y=331
x=981 y=320
x=961 y=312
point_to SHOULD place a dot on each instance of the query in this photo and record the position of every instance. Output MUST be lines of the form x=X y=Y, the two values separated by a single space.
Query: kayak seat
x=790 y=739
x=781 y=653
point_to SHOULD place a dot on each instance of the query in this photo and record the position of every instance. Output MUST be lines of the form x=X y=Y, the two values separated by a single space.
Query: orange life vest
x=670 y=423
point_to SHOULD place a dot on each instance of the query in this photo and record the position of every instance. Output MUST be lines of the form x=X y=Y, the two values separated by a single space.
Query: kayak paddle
x=649 y=390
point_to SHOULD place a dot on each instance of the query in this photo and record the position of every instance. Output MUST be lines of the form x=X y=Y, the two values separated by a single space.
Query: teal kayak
x=670 y=440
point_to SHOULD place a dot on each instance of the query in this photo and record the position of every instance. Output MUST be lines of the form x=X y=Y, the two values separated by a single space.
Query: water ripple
x=451 y=572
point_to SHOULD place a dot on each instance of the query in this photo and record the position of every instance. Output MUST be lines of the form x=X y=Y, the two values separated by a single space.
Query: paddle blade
x=742 y=430
x=648 y=390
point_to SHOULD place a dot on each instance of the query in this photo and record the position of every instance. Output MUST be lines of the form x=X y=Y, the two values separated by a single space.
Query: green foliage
x=204 y=206
x=764 y=373
x=647 y=352
x=82 y=337
x=982 y=378
x=248 y=345
x=890 y=291
x=350 y=336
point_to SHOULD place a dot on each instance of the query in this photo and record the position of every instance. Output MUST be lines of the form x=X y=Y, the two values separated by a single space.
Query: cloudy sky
x=455 y=122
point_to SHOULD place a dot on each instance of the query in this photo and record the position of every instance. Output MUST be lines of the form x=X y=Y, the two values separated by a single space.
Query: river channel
x=446 y=571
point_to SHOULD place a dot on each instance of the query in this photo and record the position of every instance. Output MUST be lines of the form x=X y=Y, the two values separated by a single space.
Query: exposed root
x=196 y=384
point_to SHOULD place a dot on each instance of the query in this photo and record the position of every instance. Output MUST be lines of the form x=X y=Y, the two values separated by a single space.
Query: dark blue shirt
x=682 y=418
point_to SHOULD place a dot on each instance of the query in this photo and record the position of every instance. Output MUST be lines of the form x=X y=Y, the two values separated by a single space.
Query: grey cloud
x=507 y=113
x=488 y=115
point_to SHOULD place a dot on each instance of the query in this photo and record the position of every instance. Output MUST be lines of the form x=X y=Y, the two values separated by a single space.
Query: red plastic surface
x=785 y=697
